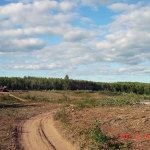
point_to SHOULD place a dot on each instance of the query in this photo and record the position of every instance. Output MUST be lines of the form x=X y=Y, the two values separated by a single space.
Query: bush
x=97 y=135
x=124 y=99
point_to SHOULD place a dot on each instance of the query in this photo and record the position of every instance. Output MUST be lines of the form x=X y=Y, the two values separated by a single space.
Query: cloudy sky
x=98 y=40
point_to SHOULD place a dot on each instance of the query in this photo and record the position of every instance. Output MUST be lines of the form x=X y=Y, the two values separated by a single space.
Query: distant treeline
x=34 y=83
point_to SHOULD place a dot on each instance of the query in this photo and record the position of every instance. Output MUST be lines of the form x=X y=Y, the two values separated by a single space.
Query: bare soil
x=18 y=128
x=115 y=121
x=39 y=133
x=12 y=115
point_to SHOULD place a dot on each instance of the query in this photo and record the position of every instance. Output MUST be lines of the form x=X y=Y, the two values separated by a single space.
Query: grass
x=93 y=138
x=121 y=100
x=145 y=97
x=108 y=93
x=30 y=97
x=100 y=140
x=8 y=99
x=97 y=135
x=85 y=103
x=85 y=99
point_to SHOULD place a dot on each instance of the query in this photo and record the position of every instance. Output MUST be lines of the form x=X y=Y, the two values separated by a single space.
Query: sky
x=96 y=40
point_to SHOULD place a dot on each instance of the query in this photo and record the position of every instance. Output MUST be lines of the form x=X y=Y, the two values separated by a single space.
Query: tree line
x=35 y=83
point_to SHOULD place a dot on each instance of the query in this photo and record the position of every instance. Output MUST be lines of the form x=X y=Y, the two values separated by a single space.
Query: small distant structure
x=3 y=89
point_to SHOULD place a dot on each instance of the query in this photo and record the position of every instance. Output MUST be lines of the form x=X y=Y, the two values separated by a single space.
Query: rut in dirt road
x=39 y=133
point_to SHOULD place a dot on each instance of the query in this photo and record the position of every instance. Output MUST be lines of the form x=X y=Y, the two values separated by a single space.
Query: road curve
x=39 y=133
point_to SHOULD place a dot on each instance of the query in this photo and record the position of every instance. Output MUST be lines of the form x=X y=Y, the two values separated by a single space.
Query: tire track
x=44 y=137
x=39 y=133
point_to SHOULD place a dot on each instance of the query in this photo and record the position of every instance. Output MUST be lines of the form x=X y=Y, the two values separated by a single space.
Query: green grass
x=62 y=116
x=108 y=93
x=30 y=97
x=120 y=100
x=124 y=99
x=8 y=99
x=145 y=97
x=86 y=100
x=97 y=135
x=85 y=103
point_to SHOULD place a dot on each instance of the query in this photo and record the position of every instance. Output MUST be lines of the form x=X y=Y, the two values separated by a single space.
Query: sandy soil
x=39 y=133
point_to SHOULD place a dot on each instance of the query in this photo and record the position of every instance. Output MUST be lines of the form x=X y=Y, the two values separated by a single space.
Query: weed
x=97 y=135
x=8 y=99
x=62 y=116
x=100 y=140
x=108 y=93
x=31 y=97
x=84 y=103
x=124 y=99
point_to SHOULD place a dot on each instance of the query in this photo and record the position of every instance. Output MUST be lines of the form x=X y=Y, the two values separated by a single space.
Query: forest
x=36 y=83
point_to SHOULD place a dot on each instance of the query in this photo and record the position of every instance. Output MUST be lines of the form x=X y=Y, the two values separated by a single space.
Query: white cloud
x=98 y=1
x=130 y=37
x=30 y=20
x=24 y=25
x=13 y=45
x=66 y=5
x=122 y=7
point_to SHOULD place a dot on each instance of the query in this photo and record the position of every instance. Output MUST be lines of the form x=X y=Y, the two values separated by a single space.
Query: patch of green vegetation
x=124 y=99
x=145 y=97
x=62 y=116
x=92 y=138
x=83 y=91
x=64 y=100
x=108 y=93
x=8 y=99
x=30 y=97
x=85 y=103
x=121 y=100
x=97 y=139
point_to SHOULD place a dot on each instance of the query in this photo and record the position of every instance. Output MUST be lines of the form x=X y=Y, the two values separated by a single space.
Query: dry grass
x=113 y=120
x=73 y=95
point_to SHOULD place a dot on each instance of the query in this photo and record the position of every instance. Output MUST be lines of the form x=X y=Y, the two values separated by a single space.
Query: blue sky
x=98 y=40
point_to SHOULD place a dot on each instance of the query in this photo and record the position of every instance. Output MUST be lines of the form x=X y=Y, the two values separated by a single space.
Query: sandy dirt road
x=39 y=133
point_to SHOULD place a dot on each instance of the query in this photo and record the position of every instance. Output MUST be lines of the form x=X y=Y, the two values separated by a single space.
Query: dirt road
x=39 y=133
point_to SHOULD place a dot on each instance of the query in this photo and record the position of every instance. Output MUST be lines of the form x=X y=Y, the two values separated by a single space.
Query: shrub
x=124 y=99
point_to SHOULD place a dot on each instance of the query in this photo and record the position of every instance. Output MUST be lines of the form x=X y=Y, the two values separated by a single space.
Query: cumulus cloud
x=13 y=45
x=30 y=20
x=129 y=40
x=122 y=7
x=98 y=1
x=28 y=26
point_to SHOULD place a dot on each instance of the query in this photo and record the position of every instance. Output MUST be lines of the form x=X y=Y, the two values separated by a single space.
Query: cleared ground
x=115 y=122
x=78 y=111
x=39 y=133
